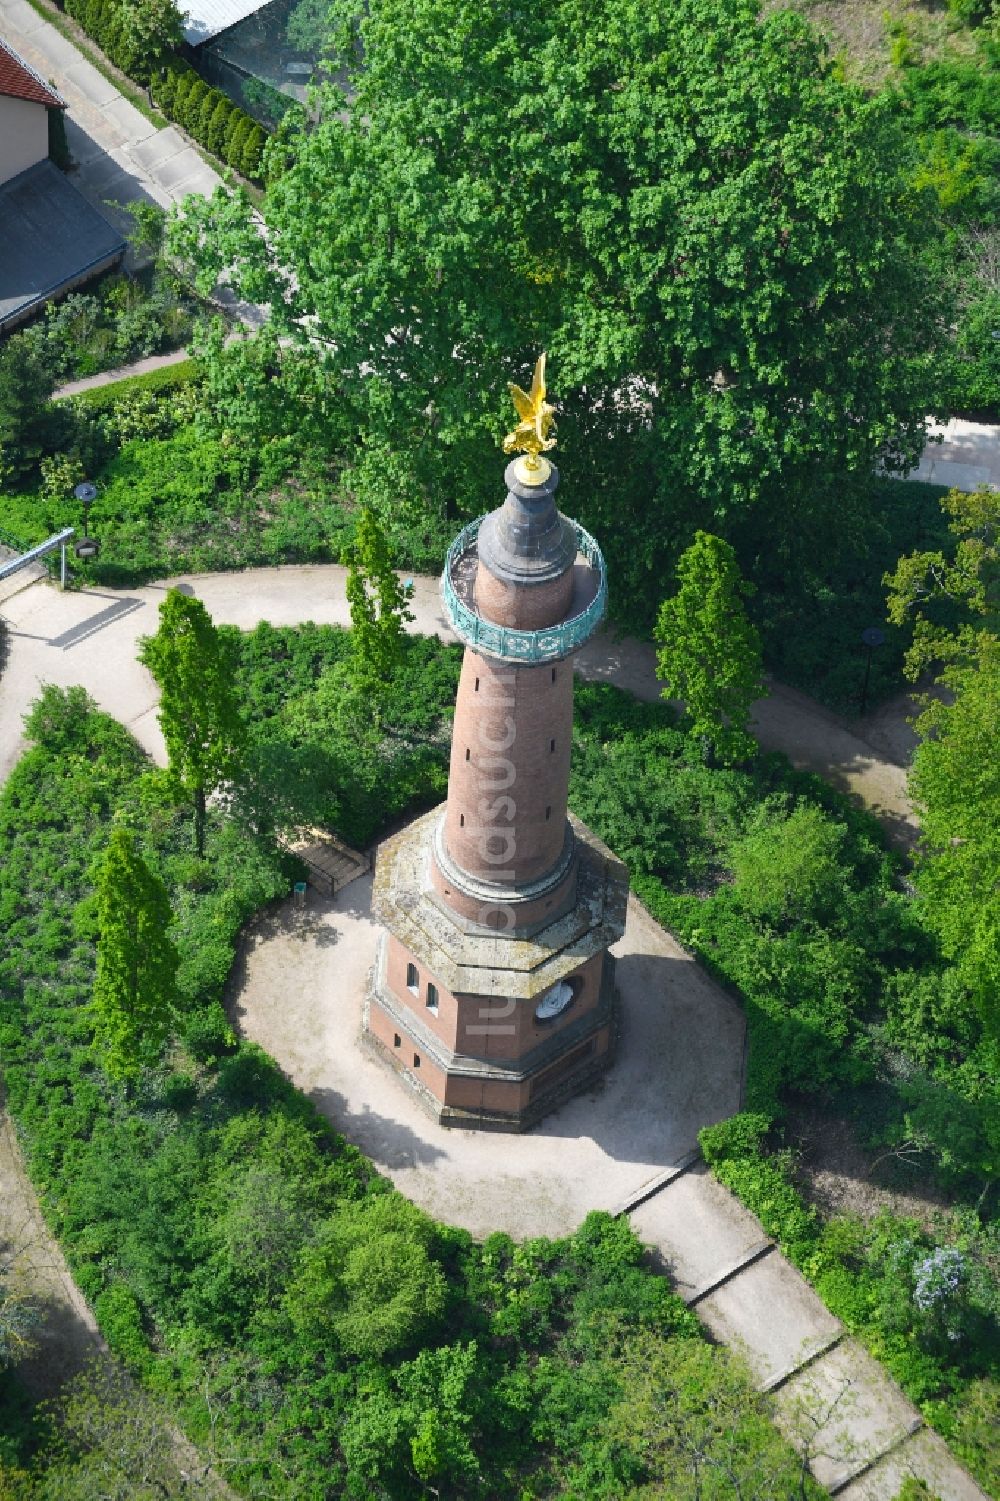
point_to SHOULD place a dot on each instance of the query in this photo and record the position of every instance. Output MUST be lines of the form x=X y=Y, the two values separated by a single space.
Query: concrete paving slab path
x=847 y=1409
x=810 y=735
x=923 y=1455
x=697 y=1229
x=123 y=372
x=771 y=1313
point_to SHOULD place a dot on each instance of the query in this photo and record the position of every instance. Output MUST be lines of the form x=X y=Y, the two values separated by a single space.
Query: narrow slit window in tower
x=412 y=978
x=553 y=674
x=397 y=1041
x=461 y=820
x=432 y=998
x=416 y=1060
x=548 y=813
x=477 y=685
x=552 y=747
x=468 y=753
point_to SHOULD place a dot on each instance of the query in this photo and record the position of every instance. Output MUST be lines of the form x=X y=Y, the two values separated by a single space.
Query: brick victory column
x=492 y=992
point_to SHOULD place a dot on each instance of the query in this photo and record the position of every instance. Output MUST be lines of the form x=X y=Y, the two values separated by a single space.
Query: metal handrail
x=512 y=645
x=59 y=539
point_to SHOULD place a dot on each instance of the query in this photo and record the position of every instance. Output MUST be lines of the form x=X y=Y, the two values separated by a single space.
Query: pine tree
x=164 y=90
x=31 y=425
x=135 y=983
x=378 y=608
x=192 y=105
x=185 y=84
x=198 y=713
x=710 y=654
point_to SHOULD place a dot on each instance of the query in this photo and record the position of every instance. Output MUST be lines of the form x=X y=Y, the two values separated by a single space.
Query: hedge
x=167 y=378
x=204 y=112
x=210 y=117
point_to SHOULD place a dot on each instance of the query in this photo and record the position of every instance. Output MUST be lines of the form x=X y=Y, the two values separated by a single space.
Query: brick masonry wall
x=486 y=1026
x=527 y=607
x=510 y=759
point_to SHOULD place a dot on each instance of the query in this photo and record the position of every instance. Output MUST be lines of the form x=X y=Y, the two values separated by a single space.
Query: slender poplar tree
x=135 y=983
x=198 y=711
x=710 y=655
x=378 y=609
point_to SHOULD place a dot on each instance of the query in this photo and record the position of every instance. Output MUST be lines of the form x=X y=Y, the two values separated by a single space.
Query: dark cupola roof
x=526 y=541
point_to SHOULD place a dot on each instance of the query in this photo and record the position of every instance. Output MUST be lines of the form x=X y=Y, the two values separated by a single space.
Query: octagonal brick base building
x=493 y=994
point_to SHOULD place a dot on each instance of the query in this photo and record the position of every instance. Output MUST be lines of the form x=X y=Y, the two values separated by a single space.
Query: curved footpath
x=861 y=1435
x=90 y=637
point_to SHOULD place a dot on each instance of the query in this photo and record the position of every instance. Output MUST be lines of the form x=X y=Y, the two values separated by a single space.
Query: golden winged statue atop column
x=531 y=435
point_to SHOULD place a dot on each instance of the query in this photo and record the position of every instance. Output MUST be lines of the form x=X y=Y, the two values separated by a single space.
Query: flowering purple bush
x=938 y=1277
x=939 y=1282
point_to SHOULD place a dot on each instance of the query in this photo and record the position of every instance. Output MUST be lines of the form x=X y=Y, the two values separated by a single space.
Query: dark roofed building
x=51 y=238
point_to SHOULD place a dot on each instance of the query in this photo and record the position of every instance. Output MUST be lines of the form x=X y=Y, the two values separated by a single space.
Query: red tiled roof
x=18 y=81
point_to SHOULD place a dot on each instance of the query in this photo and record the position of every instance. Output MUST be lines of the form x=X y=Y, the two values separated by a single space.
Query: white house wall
x=24 y=135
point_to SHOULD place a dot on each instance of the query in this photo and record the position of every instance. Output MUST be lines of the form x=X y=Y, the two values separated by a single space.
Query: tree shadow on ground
x=390 y=1144
x=305 y=924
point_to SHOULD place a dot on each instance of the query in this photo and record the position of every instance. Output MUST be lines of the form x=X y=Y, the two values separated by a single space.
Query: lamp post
x=871 y=636
x=86 y=547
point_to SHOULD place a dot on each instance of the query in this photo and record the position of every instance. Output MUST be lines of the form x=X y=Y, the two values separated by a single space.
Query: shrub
x=61 y=473
x=790 y=869
x=253 y=151
x=120 y=1317
x=738 y=1137
x=166 y=379
x=193 y=101
x=237 y=129
x=912 y=1488
x=208 y=1035
x=218 y=125
x=952 y=92
x=975 y=365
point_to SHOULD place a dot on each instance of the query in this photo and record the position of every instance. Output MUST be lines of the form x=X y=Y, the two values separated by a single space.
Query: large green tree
x=369 y=1279
x=954 y=597
x=709 y=231
x=698 y=1429
x=956 y=783
x=135 y=982
x=710 y=655
x=198 y=710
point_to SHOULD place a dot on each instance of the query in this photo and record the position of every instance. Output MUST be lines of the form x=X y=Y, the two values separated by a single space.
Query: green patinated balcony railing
x=523 y=646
